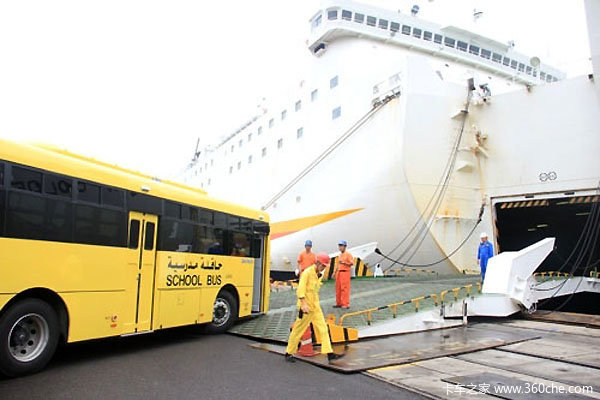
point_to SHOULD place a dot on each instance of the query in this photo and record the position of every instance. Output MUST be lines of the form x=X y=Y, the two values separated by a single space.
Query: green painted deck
x=365 y=293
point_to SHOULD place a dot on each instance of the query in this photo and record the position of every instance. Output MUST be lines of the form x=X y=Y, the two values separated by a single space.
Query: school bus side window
x=175 y=235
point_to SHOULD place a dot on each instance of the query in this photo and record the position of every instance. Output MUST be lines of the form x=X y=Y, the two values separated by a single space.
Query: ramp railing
x=438 y=299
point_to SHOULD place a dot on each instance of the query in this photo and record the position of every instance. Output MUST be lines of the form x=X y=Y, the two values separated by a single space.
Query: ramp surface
x=411 y=347
x=555 y=361
x=365 y=293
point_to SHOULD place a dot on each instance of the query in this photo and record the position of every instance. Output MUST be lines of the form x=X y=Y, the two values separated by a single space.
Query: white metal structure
x=509 y=288
x=385 y=121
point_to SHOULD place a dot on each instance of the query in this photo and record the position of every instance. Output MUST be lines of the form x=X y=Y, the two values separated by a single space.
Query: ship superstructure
x=415 y=136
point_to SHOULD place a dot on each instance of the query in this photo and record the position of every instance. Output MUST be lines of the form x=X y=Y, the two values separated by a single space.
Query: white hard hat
x=483 y=235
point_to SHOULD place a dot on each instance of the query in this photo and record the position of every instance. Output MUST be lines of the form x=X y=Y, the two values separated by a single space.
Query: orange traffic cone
x=306 y=344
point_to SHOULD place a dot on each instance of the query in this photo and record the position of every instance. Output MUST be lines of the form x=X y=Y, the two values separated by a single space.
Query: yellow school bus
x=90 y=250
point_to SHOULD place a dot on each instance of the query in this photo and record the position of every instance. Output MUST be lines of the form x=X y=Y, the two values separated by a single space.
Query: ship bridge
x=350 y=19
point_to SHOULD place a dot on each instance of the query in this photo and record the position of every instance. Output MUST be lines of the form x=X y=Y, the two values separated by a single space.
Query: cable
x=589 y=226
x=443 y=259
x=360 y=122
x=419 y=238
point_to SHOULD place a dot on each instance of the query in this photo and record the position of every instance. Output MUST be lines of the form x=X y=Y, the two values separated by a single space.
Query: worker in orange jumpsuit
x=306 y=258
x=342 y=276
x=309 y=310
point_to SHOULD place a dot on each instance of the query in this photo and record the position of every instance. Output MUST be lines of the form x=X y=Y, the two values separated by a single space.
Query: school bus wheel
x=225 y=311
x=29 y=333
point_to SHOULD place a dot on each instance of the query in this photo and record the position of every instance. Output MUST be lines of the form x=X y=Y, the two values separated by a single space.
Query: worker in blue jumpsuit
x=484 y=253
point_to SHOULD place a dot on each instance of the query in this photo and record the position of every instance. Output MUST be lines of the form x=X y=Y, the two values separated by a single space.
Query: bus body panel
x=4 y=299
x=94 y=315
x=52 y=202
x=187 y=285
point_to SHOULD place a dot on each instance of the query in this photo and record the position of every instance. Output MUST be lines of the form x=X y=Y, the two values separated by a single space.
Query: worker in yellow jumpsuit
x=309 y=310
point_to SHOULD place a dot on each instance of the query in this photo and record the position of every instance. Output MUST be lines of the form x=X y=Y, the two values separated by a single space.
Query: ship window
x=347 y=15
x=259 y=130
x=317 y=21
x=249 y=137
x=543 y=76
x=513 y=64
x=497 y=58
x=231 y=170
x=360 y=18
x=232 y=147
x=383 y=23
x=336 y=112
x=371 y=20
x=427 y=35
x=250 y=159
x=448 y=41
x=271 y=122
x=417 y=33
x=528 y=70
x=314 y=94
x=264 y=151
x=406 y=29
x=240 y=143
x=298 y=105
x=394 y=27
x=486 y=54
x=462 y=46
x=299 y=133
x=521 y=67
x=474 y=50
x=437 y=38
x=239 y=166
x=331 y=15
x=548 y=78
x=333 y=82
x=283 y=114
x=506 y=61
x=280 y=143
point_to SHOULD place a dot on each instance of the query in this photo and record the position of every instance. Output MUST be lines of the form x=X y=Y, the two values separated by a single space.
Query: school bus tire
x=29 y=334
x=225 y=311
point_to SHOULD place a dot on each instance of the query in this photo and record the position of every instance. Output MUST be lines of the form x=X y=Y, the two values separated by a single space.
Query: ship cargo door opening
x=521 y=223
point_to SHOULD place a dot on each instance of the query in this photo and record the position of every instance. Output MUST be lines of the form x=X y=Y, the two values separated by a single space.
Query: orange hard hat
x=323 y=258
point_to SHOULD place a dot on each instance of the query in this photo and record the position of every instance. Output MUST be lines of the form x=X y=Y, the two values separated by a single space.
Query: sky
x=136 y=83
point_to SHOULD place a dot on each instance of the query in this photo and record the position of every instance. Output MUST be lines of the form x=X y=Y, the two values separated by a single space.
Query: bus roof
x=61 y=161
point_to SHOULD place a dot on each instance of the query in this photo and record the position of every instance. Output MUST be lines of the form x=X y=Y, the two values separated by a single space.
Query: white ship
x=407 y=133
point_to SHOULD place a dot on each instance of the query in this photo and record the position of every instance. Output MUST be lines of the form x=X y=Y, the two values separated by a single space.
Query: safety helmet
x=323 y=258
x=308 y=243
x=342 y=243
x=483 y=235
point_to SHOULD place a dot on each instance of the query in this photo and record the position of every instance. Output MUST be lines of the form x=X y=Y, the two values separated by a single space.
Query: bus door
x=144 y=270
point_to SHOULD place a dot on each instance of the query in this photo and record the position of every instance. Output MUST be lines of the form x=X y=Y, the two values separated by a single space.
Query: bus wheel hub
x=28 y=337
